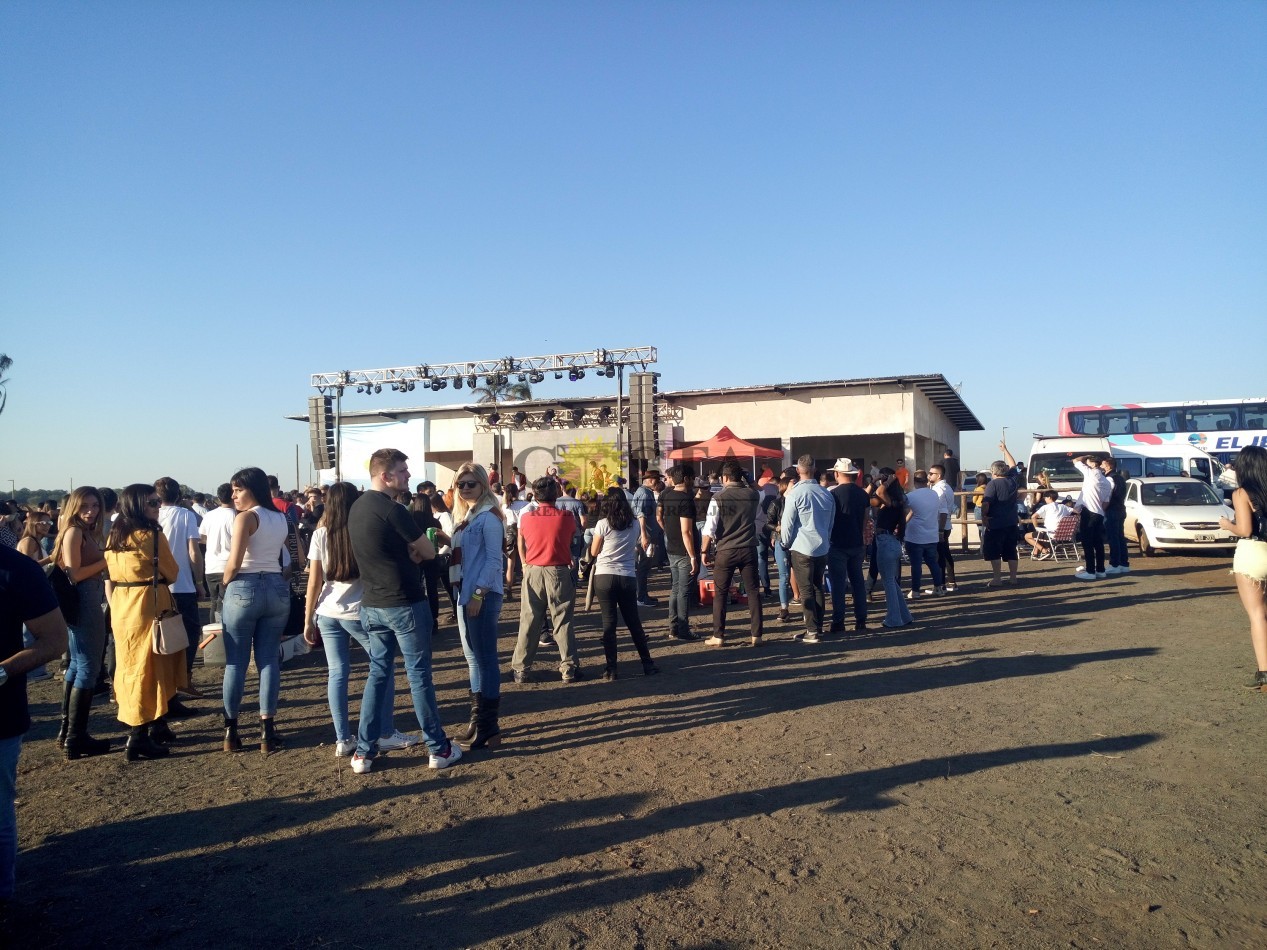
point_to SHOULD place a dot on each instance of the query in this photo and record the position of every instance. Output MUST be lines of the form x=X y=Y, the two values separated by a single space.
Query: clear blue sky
x=203 y=204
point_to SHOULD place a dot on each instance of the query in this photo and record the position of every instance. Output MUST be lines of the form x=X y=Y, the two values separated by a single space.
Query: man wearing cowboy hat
x=844 y=557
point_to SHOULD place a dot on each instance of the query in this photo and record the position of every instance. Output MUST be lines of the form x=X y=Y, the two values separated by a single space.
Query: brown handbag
x=170 y=635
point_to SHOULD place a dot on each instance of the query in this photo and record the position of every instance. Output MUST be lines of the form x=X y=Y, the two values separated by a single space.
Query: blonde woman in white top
x=256 y=604
x=332 y=612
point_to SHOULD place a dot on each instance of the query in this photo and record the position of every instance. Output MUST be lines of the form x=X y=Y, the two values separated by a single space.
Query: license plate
x=1205 y=537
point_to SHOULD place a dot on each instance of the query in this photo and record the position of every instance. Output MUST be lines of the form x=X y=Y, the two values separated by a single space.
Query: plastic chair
x=1061 y=540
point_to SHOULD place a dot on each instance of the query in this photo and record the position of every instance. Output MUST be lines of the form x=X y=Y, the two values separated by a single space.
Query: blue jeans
x=255 y=610
x=88 y=637
x=680 y=593
x=888 y=551
x=187 y=604
x=335 y=635
x=921 y=554
x=9 y=749
x=1115 y=532
x=784 y=564
x=845 y=567
x=479 y=644
x=407 y=630
x=763 y=560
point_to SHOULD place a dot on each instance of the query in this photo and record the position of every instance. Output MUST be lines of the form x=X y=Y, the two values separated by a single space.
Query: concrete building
x=879 y=419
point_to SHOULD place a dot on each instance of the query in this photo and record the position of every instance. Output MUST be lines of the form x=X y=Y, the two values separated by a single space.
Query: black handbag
x=65 y=591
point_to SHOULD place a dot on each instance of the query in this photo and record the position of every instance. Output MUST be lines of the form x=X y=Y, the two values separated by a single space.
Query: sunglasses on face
x=466 y=486
x=152 y=503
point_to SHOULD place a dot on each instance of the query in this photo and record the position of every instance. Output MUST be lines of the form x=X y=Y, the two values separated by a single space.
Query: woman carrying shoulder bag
x=145 y=682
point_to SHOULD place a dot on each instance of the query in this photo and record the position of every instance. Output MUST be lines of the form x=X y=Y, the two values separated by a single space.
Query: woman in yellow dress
x=144 y=681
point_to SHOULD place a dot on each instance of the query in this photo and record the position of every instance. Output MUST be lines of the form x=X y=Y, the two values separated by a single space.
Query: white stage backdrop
x=360 y=442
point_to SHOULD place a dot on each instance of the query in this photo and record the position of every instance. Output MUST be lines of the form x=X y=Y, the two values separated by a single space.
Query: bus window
x=1111 y=422
x=1131 y=467
x=1255 y=416
x=1213 y=419
x=1154 y=420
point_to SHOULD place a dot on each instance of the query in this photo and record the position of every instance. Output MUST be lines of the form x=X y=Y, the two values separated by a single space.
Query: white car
x=1175 y=514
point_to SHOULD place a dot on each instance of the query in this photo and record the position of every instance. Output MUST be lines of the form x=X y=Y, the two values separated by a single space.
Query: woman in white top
x=614 y=548
x=331 y=612
x=256 y=604
x=511 y=506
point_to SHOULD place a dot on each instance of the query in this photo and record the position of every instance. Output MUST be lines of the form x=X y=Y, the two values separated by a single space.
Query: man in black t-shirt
x=844 y=557
x=25 y=598
x=388 y=547
x=998 y=514
x=676 y=516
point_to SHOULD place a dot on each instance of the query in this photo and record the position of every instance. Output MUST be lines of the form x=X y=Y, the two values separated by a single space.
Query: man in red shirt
x=545 y=548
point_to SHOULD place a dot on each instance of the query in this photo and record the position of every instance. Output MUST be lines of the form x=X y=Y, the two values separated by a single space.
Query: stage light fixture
x=378 y=387
x=578 y=415
x=520 y=418
x=547 y=416
x=457 y=382
x=558 y=375
x=610 y=371
x=494 y=418
x=523 y=377
x=573 y=376
x=604 y=414
x=471 y=381
x=580 y=374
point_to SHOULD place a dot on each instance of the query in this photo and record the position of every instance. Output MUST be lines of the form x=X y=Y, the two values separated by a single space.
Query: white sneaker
x=344 y=747
x=444 y=761
x=1112 y=571
x=361 y=765
x=1101 y=575
x=1084 y=576
x=396 y=741
x=1124 y=569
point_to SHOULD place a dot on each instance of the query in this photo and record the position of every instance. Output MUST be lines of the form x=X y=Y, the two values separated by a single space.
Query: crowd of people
x=339 y=565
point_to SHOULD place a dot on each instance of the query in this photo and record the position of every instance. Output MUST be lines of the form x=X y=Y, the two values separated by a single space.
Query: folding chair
x=1061 y=540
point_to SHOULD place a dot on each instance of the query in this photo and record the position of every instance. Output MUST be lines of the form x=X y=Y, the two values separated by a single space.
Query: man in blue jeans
x=25 y=598
x=1115 y=519
x=388 y=546
x=675 y=513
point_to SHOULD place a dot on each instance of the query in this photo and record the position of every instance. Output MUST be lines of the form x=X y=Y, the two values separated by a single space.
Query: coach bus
x=1221 y=427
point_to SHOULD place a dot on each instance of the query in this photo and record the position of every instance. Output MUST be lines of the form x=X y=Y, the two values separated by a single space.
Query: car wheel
x=1145 y=546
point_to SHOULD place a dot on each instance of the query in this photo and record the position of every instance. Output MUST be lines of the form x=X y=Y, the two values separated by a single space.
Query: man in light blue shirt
x=808 y=514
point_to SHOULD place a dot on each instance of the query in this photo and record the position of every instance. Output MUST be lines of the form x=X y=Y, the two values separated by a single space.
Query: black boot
x=1259 y=682
x=65 y=728
x=487 y=732
x=160 y=731
x=473 y=729
x=231 y=741
x=80 y=745
x=270 y=741
x=142 y=746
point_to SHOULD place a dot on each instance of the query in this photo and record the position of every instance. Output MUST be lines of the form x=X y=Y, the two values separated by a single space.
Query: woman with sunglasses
x=614 y=549
x=476 y=571
x=145 y=682
x=256 y=604
x=38 y=525
x=79 y=552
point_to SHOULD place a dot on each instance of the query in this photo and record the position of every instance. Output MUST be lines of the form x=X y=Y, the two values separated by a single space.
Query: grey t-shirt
x=619 y=550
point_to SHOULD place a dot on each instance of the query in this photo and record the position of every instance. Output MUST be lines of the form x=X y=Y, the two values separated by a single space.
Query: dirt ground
x=1059 y=765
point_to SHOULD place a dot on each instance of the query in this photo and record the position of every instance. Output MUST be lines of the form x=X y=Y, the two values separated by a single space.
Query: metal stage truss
x=524 y=369
x=492 y=419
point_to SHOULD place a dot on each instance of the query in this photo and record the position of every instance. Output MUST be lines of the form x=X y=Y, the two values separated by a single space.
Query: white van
x=1136 y=460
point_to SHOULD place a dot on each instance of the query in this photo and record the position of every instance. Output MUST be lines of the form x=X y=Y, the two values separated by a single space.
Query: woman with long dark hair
x=256 y=604
x=890 y=531
x=331 y=612
x=614 y=549
x=1249 y=564
x=79 y=551
x=476 y=571
x=145 y=682
x=37 y=528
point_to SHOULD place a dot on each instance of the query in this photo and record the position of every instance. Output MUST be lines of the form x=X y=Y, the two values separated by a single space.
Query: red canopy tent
x=725 y=444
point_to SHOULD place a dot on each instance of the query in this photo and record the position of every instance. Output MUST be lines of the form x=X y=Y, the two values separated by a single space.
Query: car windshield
x=1057 y=466
x=1179 y=494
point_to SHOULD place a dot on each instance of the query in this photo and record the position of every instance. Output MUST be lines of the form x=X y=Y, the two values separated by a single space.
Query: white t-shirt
x=338 y=599
x=1051 y=515
x=922 y=528
x=947 y=503
x=180 y=525
x=217 y=530
x=619 y=549
x=446 y=525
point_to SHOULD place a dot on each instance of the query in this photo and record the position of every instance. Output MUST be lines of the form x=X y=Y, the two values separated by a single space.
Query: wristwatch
x=480 y=592
x=4 y=676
